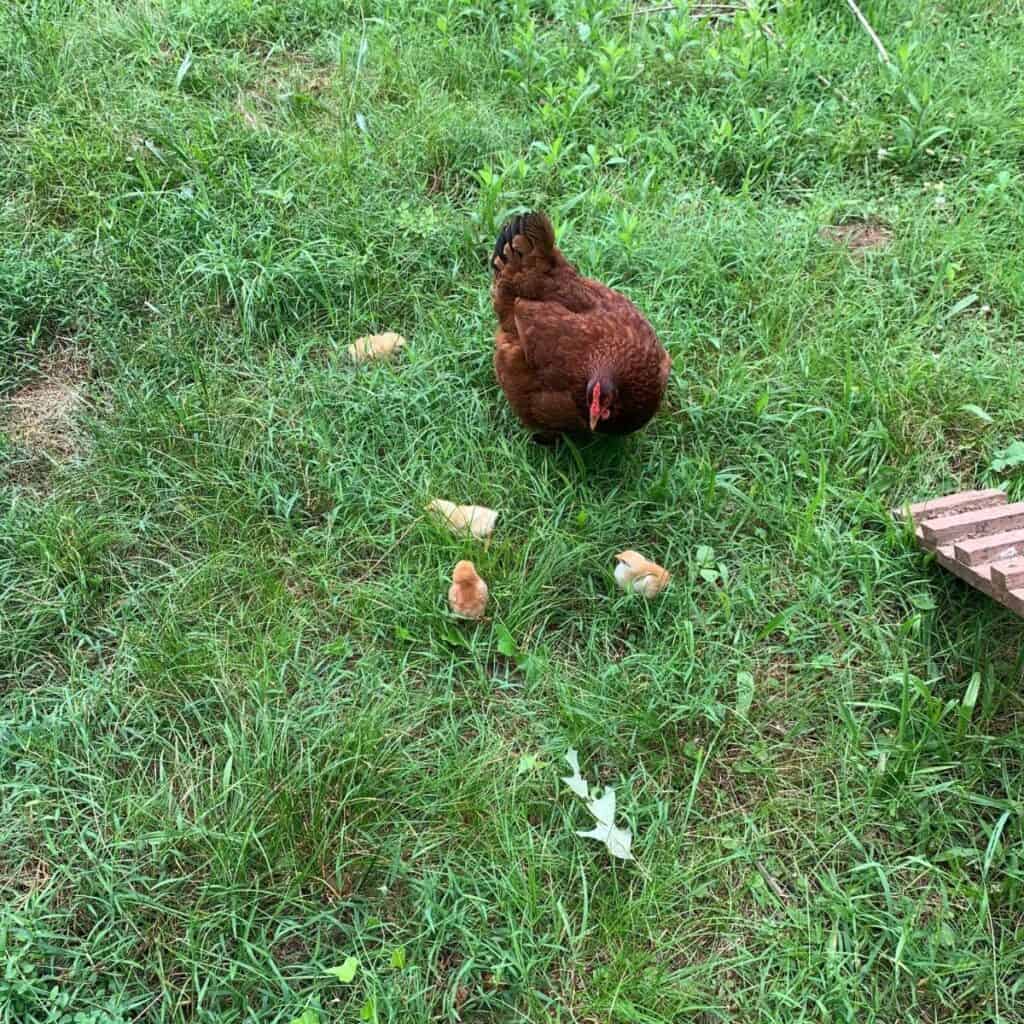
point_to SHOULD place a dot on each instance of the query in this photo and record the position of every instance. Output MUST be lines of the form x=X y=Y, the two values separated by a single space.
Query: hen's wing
x=608 y=332
x=540 y=398
x=554 y=339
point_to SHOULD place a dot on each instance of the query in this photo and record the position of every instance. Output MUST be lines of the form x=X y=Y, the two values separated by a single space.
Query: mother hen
x=570 y=354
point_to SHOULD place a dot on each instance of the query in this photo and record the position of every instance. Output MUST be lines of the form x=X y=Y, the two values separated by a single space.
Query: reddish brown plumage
x=559 y=334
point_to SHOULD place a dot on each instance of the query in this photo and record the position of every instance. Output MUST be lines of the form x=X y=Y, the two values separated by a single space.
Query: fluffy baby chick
x=643 y=576
x=467 y=597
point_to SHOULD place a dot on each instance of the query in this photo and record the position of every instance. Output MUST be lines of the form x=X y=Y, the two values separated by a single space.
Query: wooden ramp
x=979 y=536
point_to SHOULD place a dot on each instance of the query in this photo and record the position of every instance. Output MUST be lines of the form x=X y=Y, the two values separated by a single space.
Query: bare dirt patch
x=858 y=236
x=40 y=418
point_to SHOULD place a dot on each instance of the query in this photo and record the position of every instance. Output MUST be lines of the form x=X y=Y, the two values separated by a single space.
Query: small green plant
x=1009 y=458
x=345 y=972
x=918 y=131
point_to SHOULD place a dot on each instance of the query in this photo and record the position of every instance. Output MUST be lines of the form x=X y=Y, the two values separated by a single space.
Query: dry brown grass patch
x=283 y=78
x=40 y=417
x=858 y=236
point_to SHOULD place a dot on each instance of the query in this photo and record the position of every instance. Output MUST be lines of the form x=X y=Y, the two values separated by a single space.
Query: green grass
x=240 y=737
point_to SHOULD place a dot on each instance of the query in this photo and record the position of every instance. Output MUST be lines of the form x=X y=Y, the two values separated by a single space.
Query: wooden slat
x=953 y=504
x=977 y=575
x=1008 y=574
x=978 y=537
x=991 y=549
x=979 y=578
x=967 y=525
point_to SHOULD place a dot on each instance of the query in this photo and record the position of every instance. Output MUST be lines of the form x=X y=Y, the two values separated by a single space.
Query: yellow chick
x=467 y=597
x=475 y=519
x=375 y=346
x=634 y=572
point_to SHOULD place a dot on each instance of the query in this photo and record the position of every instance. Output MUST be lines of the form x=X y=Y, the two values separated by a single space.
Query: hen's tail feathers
x=528 y=239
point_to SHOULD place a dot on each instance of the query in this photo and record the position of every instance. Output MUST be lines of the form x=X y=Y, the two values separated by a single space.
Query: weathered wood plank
x=991 y=549
x=979 y=523
x=977 y=575
x=952 y=504
x=979 y=537
x=1008 y=574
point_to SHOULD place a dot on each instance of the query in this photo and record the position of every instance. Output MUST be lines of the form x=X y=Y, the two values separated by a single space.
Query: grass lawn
x=241 y=738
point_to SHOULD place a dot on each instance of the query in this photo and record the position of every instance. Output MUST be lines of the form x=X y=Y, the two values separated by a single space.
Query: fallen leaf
x=603 y=807
x=474 y=519
x=375 y=346
x=618 y=840
x=576 y=782
x=346 y=972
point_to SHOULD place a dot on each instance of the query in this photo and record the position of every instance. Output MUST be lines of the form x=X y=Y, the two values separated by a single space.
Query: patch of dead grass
x=21 y=883
x=41 y=416
x=858 y=236
x=287 y=77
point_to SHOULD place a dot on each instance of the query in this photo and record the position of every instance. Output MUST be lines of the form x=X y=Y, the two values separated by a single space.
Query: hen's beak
x=595 y=418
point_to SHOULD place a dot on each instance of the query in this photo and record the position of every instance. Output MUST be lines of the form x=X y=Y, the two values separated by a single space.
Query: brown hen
x=571 y=354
